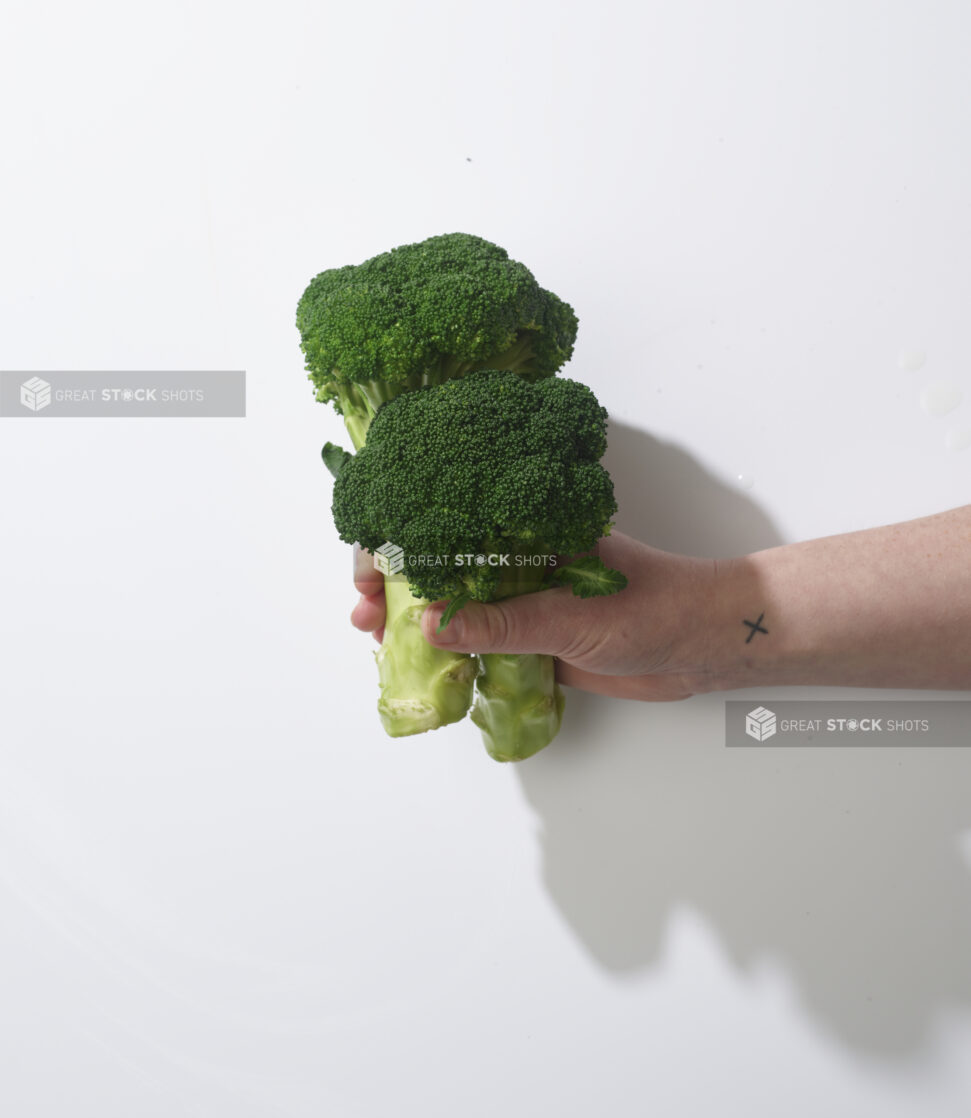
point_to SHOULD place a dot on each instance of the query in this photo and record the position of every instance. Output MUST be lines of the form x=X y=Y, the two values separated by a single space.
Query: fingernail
x=355 y=551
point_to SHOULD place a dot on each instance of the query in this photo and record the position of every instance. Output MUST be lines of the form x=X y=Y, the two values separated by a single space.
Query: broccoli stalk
x=483 y=481
x=358 y=404
x=419 y=315
x=518 y=704
x=422 y=687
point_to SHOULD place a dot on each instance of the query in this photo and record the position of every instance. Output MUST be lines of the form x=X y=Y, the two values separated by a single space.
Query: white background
x=223 y=892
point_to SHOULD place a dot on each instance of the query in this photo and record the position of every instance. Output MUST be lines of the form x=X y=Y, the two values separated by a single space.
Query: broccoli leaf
x=590 y=577
x=335 y=457
x=452 y=609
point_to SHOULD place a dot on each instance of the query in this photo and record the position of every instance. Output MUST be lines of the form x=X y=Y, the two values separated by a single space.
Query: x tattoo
x=756 y=627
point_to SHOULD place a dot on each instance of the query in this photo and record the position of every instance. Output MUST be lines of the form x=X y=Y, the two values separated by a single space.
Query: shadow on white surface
x=844 y=866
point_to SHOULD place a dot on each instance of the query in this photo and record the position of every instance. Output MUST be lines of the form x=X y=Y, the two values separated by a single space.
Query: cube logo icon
x=389 y=558
x=760 y=724
x=35 y=394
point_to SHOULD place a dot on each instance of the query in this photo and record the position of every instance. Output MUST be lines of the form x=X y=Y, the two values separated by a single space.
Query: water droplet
x=940 y=398
x=745 y=481
x=911 y=360
x=958 y=439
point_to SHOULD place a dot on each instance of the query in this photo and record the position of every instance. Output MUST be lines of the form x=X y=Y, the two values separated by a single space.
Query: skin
x=883 y=607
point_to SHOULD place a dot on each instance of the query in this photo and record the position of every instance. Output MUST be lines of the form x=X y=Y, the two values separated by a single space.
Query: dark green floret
x=483 y=466
x=423 y=314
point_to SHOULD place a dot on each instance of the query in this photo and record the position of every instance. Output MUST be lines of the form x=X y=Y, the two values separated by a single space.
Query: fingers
x=546 y=622
x=368 y=580
x=368 y=615
x=555 y=622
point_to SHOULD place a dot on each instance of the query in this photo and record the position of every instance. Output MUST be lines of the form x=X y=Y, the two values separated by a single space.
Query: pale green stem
x=422 y=688
x=519 y=704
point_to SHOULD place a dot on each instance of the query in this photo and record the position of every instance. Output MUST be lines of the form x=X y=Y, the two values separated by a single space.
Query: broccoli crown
x=424 y=313
x=485 y=465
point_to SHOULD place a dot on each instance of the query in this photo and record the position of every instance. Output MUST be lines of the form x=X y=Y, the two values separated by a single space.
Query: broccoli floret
x=489 y=464
x=483 y=482
x=422 y=314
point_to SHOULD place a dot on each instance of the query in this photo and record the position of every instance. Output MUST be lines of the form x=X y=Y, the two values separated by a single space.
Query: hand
x=633 y=645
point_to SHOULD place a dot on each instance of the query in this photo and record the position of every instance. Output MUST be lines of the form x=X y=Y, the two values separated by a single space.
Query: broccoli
x=422 y=314
x=483 y=482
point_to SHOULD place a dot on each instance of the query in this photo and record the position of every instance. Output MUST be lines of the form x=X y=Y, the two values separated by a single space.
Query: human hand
x=635 y=644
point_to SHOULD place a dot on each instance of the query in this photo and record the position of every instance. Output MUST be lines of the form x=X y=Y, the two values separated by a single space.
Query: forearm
x=885 y=607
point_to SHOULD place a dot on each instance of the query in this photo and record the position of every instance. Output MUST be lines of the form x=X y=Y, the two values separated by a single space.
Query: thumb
x=545 y=622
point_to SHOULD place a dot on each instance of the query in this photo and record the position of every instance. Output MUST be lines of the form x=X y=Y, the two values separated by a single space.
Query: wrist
x=747 y=640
